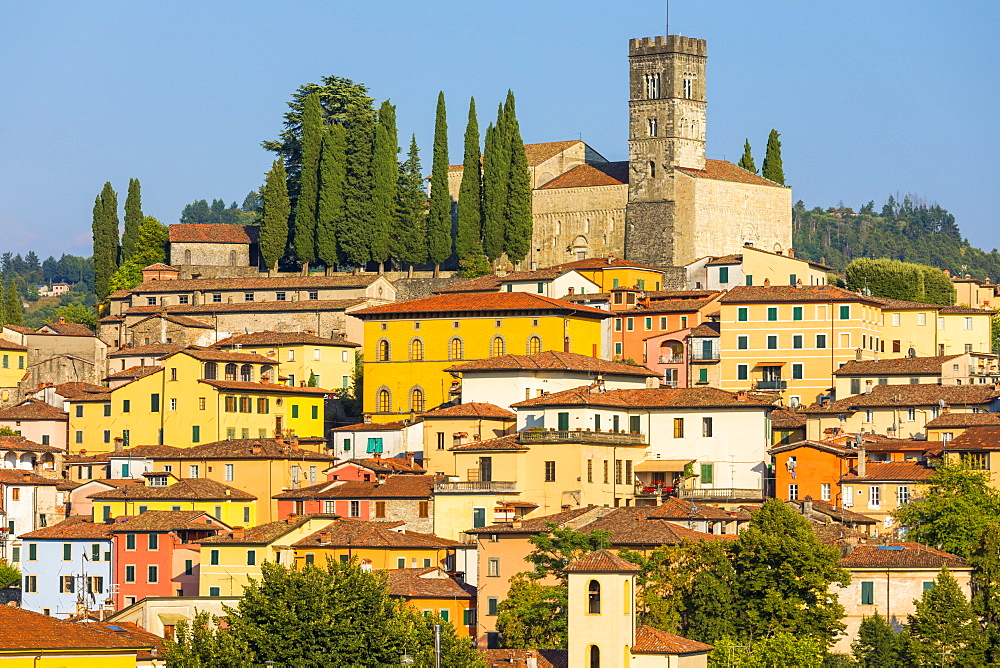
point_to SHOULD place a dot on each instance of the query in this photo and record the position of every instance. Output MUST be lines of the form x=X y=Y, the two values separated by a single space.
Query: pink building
x=686 y=357
x=374 y=468
x=37 y=421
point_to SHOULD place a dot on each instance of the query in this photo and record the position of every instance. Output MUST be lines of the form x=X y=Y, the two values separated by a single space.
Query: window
x=152 y=574
x=493 y=569
x=417 y=350
x=797 y=341
x=707 y=471
x=594 y=598
x=772 y=341
x=688 y=86
x=867 y=593
x=417 y=400
x=95 y=584
x=31 y=584
x=797 y=371
x=742 y=342
x=129 y=541
x=150 y=301
x=263 y=405
x=423 y=509
x=678 y=427
x=230 y=472
x=382 y=351
x=130 y=574
x=79 y=436
x=629 y=324
x=902 y=495
x=380 y=509
x=706 y=427
x=95 y=552
x=825 y=491
x=126 y=405
x=491 y=606
x=497 y=347
x=550 y=471
x=723 y=275
x=845 y=312
x=455 y=350
x=796 y=313
x=313 y=295
x=214 y=591
x=821 y=340
x=618 y=471
x=355 y=509
x=383 y=401
x=79 y=411
x=742 y=372
x=295 y=410
x=154 y=541
x=793 y=492
x=66 y=584
x=741 y=314
x=874 y=496
x=251 y=557
x=772 y=313
x=154 y=403
x=217 y=297
x=703 y=376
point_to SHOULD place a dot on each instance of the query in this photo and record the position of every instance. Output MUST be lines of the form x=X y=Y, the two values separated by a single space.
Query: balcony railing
x=610 y=437
x=705 y=356
x=655 y=490
x=670 y=359
x=722 y=494
x=475 y=486
x=772 y=384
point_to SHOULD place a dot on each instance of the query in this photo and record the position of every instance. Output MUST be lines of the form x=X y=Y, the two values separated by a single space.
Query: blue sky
x=871 y=98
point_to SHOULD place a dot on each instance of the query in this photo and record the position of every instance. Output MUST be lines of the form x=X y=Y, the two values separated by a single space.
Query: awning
x=760 y=364
x=652 y=465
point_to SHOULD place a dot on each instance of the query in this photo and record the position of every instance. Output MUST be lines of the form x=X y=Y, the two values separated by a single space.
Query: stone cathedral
x=669 y=204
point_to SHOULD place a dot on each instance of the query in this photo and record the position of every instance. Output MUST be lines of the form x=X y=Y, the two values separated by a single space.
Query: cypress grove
x=330 y=213
x=439 y=233
x=470 y=200
x=304 y=231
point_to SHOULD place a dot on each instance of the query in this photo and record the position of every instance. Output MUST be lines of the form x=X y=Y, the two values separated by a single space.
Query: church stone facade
x=669 y=204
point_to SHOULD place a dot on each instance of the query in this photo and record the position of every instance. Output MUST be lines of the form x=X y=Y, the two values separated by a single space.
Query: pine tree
x=331 y=193
x=496 y=167
x=746 y=162
x=274 y=216
x=470 y=200
x=944 y=628
x=410 y=237
x=771 y=169
x=105 y=230
x=439 y=242
x=355 y=236
x=304 y=232
x=133 y=219
x=14 y=310
x=518 y=222
x=877 y=644
x=385 y=181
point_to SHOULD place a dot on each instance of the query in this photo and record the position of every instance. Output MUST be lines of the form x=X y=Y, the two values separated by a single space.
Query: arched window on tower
x=595 y=656
x=232 y=258
x=594 y=598
x=653 y=129
x=187 y=256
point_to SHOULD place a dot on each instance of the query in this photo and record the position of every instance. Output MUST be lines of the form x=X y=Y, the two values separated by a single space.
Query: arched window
x=187 y=256
x=230 y=371
x=232 y=258
x=382 y=351
x=416 y=350
x=456 y=352
x=595 y=656
x=383 y=401
x=417 y=400
x=534 y=345
x=497 y=346
x=246 y=373
x=594 y=597
x=211 y=371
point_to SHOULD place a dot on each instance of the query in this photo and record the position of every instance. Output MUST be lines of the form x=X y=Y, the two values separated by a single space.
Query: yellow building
x=32 y=640
x=13 y=359
x=612 y=272
x=461 y=423
x=304 y=358
x=932 y=329
x=948 y=426
x=977 y=446
x=878 y=490
x=791 y=340
x=228 y=561
x=960 y=369
x=431 y=591
x=753 y=266
x=197 y=395
x=970 y=292
x=409 y=345
x=380 y=545
x=164 y=491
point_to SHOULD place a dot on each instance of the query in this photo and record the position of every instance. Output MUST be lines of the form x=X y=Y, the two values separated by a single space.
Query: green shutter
x=563 y=419
x=868 y=593
x=213 y=591
x=796 y=313
x=723 y=275
x=67 y=551
x=295 y=410
x=741 y=372
x=32 y=551
x=772 y=313
x=928 y=586
x=154 y=403
x=845 y=312
x=702 y=375
x=315 y=412
x=706 y=474
x=214 y=560
x=741 y=314
x=196 y=434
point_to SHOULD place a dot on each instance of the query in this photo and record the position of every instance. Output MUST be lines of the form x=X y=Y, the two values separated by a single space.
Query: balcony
x=476 y=486
x=705 y=356
x=654 y=490
x=772 y=384
x=722 y=494
x=670 y=359
x=606 y=437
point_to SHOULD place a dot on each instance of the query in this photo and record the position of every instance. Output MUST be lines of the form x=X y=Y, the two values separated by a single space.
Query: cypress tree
x=470 y=201
x=304 y=234
x=13 y=309
x=331 y=193
x=518 y=222
x=385 y=178
x=439 y=243
x=105 y=230
x=133 y=219
x=275 y=210
x=410 y=237
x=771 y=169
x=355 y=236
x=3 y=308
x=496 y=166
x=746 y=162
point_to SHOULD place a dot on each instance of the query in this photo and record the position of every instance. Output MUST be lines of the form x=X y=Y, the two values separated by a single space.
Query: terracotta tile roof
x=67 y=329
x=265 y=534
x=10 y=345
x=429 y=582
x=725 y=259
x=181 y=320
x=253 y=448
x=151 y=350
x=824 y=445
x=405 y=486
x=649 y=640
x=102 y=396
x=590 y=175
x=964 y=310
x=633 y=527
x=68 y=485
x=74 y=390
x=167 y=520
x=982 y=437
x=508 y=442
x=609 y=262
x=388 y=465
x=706 y=329
x=378 y=426
x=155 y=645
x=471 y=409
x=539 y=153
x=903 y=305
x=33 y=409
x=922 y=394
x=880 y=443
x=19 y=477
x=669 y=306
x=137 y=451
x=24 y=445
x=901 y=555
x=784 y=418
x=213 y=234
x=602 y=561
x=31 y=631
x=187 y=488
x=263 y=283
x=540 y=524
x=135 y=372
x=473 y=302
x=74 y=527
x=960 y=420
x=722 y=170
x=519 y=658
x=552 y=360
x=676 y=509
x=282 y=338
x=159 y=266
x=19 y=328
x=358 y=533
x=891 y=471
x=691 y=397
x=269 y=388
x=767 y=294
x=487 y=283
x=837 y=513
x=212 y=355
x=250 y=307
x=902 y=366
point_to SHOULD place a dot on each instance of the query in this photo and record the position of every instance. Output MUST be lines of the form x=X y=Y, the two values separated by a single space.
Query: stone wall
x=406 y=510
x=183 y=254
x=161 y=330
x=211 y=271
x=415 y=288
x=568 y=221
x=649 y=233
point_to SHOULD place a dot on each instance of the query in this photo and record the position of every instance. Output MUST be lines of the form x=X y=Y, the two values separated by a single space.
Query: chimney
x=367 y=418
x=516 y=523
x=61 y=320
x=791 y=252
x=946 y=409
x=377 y=456
x=767 y=282
x=26 y=476
x=409 y=456
x=741 y=395
x=325 y=536
x=256 y=450
x=118 y=443
x=807 y=505
x=239 y=533
x=862 y=456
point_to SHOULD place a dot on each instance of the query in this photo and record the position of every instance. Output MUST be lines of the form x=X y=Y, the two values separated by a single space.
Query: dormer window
x=157 y=481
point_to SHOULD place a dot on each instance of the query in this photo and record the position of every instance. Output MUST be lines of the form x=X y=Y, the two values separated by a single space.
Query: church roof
x=723 y=170
x=602 y=561
x=213 y=233
x=596 y=174
x=539 y=153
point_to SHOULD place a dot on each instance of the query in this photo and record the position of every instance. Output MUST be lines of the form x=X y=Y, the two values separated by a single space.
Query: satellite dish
x=941 y=403
x=912 y=352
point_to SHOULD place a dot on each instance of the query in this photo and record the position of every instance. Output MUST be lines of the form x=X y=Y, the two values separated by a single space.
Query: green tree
x=133 y=219
x=475 y=263
x=79 y=314
x=877 y=644
x=410 y=237
x=126 y=277
x=356 y=234
x=944 y=628
x=746 y=162
x=14 y=310
x=304 y=230
x=105 y=231
x=771 y=168
x=385 y=182
x=958 y=505
x=202 y=644
x=275 y=209
x=784 y=575
x=331 y=193
x=9 y=574
x=470 y=201
x=518 y=222
x=985 y=561
x=900 y=280
x=496 y=167
x=439 y=242
x=151 y=242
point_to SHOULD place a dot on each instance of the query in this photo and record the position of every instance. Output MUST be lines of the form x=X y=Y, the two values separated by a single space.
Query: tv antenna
x=667 y=18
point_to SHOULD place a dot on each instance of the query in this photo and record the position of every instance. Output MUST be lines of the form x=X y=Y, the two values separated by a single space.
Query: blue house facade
x=66 y=564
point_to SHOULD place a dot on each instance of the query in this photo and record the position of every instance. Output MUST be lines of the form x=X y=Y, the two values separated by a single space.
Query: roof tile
x=901 y=555
x=691 y=397
x=186 y=488
x=722 y=170
x=31 y=631
x=213 y=233
x=649 y=640
x=552 y=360
x=472 y=302
x=591 y=174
